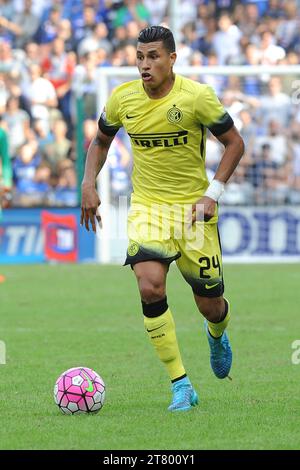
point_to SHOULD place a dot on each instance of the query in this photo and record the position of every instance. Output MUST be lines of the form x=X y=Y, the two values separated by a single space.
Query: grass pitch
x=57 y=317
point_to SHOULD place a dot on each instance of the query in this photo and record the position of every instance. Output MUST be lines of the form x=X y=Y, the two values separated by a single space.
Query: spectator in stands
x=247 y=18
x=84 y=83
x=184 y=53
x=65 y=33
x=270 y=53
x=102 y=58
x=252 y=84
x=84 y=25
x=7 y=26
x=234 y=103
x=157 y=10
x=226 y=41
x=188 y=13
x=239 y=191
x=204 y=41
x=41 y=184
x=294 y=170
x=98 y=38
x=43 y=134
x=49 y=28
x=275 y=9
x=58 y=68
x=131 y=10
x=218 y=82
x=197 y=59
x=4 y=94
x=132 y=31
x=277 y=142
x=120 y=38
x=287 y=31
x=248 y=130
x=129 y=55
x=290 y=82
x=24 y=168
x=41 y=95
x=39 y=7
x=18 y=124
x=26 y=24
x=7 y=9
x=16 y=81
x=8 y=61
x=32 y=53
x=60 y=148
x=66 y=190
x=269 y=178
x=275 y=104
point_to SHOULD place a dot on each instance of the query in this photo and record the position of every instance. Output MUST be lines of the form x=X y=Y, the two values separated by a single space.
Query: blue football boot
x=184 y=396
x=220 y=354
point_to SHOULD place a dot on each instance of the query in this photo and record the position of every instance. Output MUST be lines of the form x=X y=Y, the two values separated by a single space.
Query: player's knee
x=211 y=308
x=151 y=291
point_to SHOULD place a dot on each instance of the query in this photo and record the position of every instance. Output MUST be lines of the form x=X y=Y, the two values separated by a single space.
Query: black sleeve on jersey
x=224 y=124
x=106 y=128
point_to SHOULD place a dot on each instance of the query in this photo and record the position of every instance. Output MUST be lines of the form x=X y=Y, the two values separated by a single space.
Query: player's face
x=154 y=63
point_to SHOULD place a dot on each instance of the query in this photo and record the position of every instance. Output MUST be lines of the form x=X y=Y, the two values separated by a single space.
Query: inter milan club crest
x=133 y=249
x=174 y=114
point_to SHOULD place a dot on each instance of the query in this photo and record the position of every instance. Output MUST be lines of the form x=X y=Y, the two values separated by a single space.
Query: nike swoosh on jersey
x=149 y=331
x=210 y=287
x=129 y=117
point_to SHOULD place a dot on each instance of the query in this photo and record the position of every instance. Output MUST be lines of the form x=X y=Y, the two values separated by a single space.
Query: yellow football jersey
x=168 y=137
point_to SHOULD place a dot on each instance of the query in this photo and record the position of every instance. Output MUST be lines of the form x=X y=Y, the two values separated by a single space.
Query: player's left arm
x=234 y=149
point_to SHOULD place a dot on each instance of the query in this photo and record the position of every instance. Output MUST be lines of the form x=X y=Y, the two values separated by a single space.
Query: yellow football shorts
x=164 y=233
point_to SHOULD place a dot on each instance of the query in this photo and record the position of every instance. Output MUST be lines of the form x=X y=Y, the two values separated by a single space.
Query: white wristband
x=215 y=190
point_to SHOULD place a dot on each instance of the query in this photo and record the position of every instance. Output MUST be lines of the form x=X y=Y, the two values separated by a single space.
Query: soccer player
x=167 y=117
x=6 y=170
x=5 y=175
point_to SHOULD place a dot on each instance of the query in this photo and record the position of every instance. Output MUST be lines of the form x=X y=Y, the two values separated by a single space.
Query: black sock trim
x=155 y=309
x=178 y=378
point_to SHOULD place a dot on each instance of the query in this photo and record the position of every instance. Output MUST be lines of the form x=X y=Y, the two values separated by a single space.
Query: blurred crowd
x=50 y=52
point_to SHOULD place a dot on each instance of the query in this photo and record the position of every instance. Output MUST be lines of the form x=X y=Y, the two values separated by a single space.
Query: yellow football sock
x=161 y=331
x=217 y=329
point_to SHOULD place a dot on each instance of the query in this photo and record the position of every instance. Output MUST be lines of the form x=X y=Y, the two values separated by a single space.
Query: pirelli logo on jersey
x=163 y=139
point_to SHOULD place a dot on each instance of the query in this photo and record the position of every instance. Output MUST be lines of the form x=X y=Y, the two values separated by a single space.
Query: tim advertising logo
x=60 y=235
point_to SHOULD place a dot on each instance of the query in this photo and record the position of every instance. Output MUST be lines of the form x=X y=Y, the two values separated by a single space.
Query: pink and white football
x=79 y=390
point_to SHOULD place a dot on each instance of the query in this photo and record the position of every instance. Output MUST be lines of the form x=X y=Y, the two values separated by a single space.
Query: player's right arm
x=95 y=159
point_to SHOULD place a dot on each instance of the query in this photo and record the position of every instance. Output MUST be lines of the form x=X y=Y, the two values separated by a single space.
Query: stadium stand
x=50 y=50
